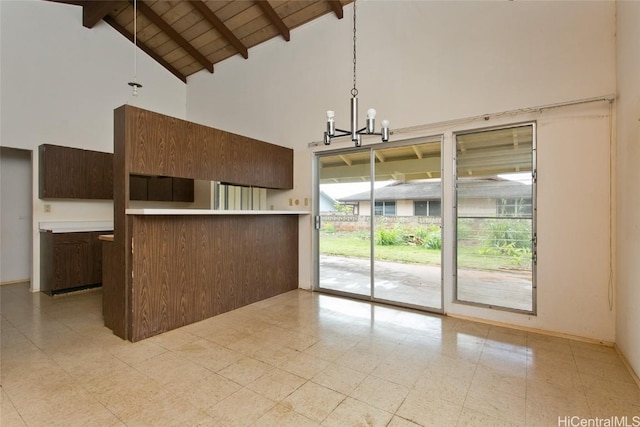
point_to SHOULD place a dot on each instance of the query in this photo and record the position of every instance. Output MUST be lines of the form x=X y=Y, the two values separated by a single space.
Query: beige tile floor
x=299 y=359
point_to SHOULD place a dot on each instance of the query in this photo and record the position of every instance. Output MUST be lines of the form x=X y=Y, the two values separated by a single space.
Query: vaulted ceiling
x=188 y=36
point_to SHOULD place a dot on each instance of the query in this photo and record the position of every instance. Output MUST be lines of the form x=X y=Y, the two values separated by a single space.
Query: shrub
x=431 y=236
x=509 y=234
x=328 y=227
x=509 y=238
x=433 y=241
x=463 y=228
x=388 y=236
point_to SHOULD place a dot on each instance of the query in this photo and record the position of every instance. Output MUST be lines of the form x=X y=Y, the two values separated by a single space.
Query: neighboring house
x=327 y=203
x=476 y=198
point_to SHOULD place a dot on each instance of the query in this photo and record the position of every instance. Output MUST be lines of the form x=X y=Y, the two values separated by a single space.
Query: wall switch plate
x=47 y=208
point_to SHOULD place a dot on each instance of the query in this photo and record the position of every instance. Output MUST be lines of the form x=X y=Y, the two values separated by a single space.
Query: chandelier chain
x=354 y=91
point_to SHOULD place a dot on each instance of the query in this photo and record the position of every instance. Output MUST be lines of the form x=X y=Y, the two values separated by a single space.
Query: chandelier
x=355 y=133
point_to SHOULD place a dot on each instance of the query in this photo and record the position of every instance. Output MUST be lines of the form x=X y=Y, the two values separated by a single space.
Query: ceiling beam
x=390 y=167
x=219 y=25
x=274 y=18
x=119 y=28
x=73 y=2
x=174 y=35
x=94 y=11
x=345 y=159
x=336 y=6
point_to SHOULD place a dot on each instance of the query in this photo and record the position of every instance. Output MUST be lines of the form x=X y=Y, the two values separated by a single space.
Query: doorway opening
x=16 y=216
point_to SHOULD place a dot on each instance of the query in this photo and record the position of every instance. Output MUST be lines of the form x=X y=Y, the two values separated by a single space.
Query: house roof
x=431 y=190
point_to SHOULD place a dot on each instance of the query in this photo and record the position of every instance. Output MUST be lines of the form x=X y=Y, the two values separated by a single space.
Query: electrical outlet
x=47 y=208
x=306 y=201
x=290 y=202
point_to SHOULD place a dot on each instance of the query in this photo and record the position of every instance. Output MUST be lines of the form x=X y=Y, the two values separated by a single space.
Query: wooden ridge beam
x=220 y=26
x=174 y=35
x=336 y=6
x=274 y=18
x=119 y=28
x=94 y=11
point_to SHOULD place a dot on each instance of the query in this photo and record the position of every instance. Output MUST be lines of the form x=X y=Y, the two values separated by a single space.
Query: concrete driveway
x=418 y=284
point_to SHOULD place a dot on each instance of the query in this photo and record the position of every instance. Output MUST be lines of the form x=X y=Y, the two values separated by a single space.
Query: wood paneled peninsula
x=173 y=267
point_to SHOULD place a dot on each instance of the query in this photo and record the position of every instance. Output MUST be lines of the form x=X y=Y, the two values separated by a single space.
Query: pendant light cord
x=354 y=91
x=135 y=40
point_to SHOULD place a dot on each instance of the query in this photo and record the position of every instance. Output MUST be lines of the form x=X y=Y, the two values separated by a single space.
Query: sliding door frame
x=438 y=138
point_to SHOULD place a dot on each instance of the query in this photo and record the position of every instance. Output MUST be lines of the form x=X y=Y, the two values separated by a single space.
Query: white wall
x=426 y=62
x=628 y=177
x=15 y=215
x=60 y=83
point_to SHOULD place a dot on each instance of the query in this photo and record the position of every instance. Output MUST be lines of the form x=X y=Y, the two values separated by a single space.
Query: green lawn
x=357 y=245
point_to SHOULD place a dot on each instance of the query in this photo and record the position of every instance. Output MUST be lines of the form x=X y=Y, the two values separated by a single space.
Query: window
x=513 y=207
x=495 y=218
x=385 y=208
x=426 y=208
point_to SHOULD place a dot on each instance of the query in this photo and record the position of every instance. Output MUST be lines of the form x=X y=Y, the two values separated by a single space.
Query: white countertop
x=210 y=212
x=76 y=226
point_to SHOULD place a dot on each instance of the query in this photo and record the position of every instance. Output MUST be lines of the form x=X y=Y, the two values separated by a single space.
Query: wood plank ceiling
x=188 y=36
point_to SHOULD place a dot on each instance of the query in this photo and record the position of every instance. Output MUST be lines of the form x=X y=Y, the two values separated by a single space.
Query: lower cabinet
x=70 y=261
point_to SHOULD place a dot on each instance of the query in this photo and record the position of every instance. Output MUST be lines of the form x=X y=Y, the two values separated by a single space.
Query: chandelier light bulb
x=385 y=123
x=371 y=113
x=135 y=86
x=331 y=115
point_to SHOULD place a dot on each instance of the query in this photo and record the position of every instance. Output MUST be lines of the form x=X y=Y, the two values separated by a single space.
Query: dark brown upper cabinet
x=161 y=188
x=99 y=174
x=73 y=173
x=167 y=146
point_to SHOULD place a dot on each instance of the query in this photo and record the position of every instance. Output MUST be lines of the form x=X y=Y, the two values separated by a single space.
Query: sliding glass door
x=495 y=218
x=379 y=223
x=344 y=255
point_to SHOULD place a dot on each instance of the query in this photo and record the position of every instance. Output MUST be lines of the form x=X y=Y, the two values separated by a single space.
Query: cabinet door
x=182 y=190
x=71 y=260
x=62 y=172
x=138 y=187
x=160 y=188
x=99 y=175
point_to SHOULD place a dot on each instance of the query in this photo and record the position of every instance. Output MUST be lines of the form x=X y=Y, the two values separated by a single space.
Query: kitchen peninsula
x=173 y=267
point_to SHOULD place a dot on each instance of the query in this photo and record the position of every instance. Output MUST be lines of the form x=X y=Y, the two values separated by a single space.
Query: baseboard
x=14 y=282
x=533 y=330
x=628 y=365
